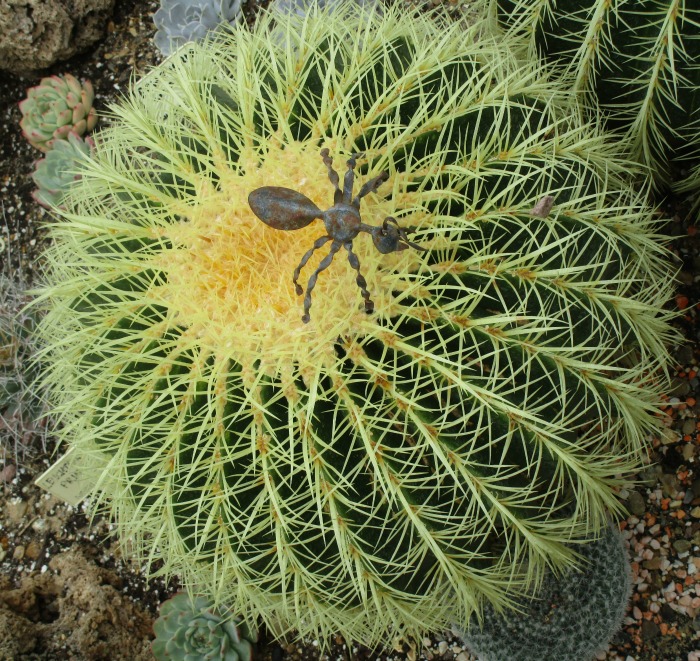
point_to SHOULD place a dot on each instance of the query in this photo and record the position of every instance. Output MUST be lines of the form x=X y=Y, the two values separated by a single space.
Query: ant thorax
x=342 y=222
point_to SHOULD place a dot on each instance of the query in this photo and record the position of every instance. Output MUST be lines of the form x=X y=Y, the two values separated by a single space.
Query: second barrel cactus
x=362 y=473
x=640 y=62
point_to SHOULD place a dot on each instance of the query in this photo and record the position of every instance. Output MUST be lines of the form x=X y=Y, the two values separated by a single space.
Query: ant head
x=388 y=237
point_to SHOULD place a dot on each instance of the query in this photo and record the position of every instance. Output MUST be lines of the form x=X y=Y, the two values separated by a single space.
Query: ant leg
x=332 y=175
x=370 y=187
x=349 y=180
x=325 y=263
x=360 y=279
x=317 y=244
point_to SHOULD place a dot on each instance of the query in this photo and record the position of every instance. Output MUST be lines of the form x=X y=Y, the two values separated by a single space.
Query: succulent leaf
x=182 y=21
x=54 y=108
x=347 y=474
x=61 y=167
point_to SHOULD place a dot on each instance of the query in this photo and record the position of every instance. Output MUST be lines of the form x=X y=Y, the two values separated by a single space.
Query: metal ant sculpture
x=287 y=209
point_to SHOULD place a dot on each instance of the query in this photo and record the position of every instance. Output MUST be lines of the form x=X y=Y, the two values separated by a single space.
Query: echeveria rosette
x=363 y=473
x=180 y=21
x=191 y=629
x=55 y=107
x=301 y=7
x=55 y=173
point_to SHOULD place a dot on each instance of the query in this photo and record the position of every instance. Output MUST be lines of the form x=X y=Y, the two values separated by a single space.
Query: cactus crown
x=345 y=474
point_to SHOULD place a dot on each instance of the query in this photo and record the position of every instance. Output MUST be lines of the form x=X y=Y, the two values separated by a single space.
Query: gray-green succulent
x=571 y=617
x=192 y=629
x=55 y=107
x=59 y=169
x=182 y=21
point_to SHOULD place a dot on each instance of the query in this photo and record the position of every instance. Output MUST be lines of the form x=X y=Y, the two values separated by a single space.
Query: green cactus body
x=640 y=59
x=347 y=474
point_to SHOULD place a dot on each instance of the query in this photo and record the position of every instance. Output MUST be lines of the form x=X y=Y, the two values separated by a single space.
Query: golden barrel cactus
x=361 y=473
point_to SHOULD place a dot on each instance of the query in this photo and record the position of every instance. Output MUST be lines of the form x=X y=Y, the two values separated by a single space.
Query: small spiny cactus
x=55 y=173
x=193 y=630
x=346 y=474
x=22 y=402
x=571 y=617
x=55 y=107
x=638 y=61
x=182 y=21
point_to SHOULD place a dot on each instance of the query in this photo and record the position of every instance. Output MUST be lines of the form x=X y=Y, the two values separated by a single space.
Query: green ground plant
x=56 y=107
x=347 y=474
x=55 y=173
x=191 y=629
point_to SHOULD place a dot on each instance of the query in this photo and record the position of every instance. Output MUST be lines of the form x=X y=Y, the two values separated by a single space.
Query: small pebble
x=33 y=550
x=7 y=474
x=670 y=485
x=688 y=426
x=669 y=437
x=649 y=629
x=636 y=503
x=681 y=545
x=15 y=509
